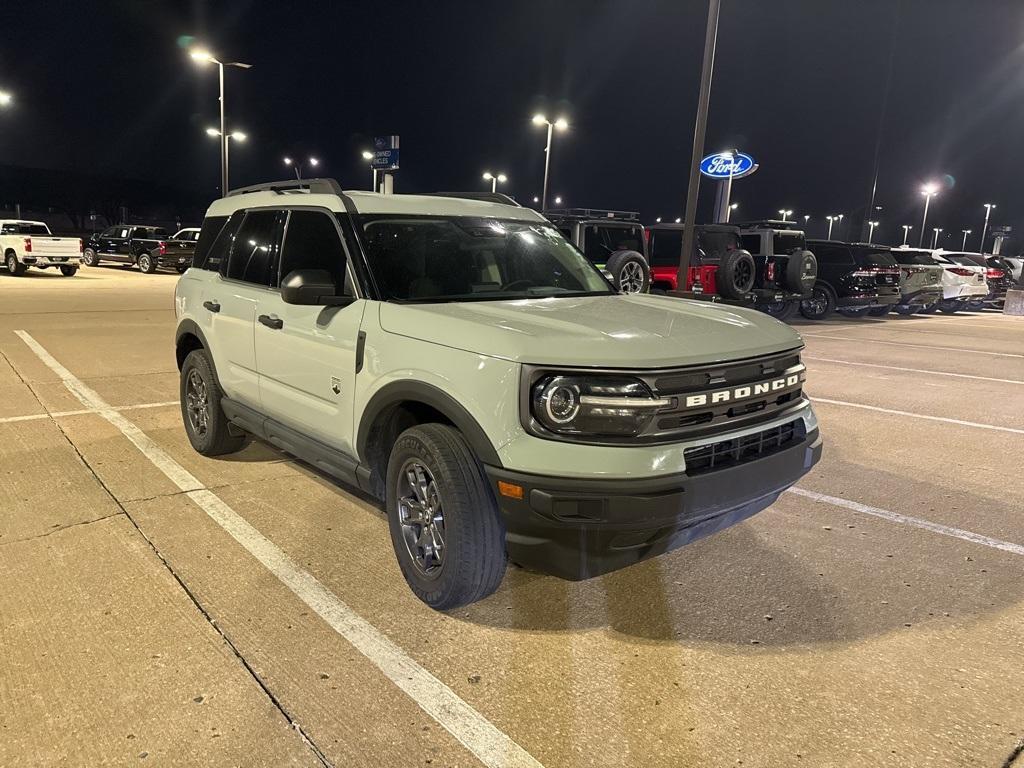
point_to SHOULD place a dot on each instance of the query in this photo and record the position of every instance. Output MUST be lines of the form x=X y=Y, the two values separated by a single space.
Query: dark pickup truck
x=147 y=247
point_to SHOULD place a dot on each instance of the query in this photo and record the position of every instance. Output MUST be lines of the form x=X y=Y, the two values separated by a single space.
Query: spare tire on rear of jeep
x=735 y=275
x=629 y=271
x=801 y=272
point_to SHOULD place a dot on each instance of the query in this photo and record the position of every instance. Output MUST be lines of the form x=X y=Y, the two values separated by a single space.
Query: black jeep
x=786 y=270
x=613 y=241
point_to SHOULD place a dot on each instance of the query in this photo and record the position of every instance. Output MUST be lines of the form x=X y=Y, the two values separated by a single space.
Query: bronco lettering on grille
x=742 y=393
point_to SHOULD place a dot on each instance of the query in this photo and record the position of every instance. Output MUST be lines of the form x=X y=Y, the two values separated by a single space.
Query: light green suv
x=460 y=360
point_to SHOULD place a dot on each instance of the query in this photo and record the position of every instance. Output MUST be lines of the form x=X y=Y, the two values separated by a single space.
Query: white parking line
x=913 y=370
x=975 y=424
x=918 y=346
x=55 y=414
x=481 y=737
x=916 y=522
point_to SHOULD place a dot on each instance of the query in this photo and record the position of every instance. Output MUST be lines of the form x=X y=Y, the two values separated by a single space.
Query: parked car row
x=769 y=265
x=27 y=244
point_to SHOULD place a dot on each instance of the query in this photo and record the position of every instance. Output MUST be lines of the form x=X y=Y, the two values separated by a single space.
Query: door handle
x=213 y=306
x=271 y=322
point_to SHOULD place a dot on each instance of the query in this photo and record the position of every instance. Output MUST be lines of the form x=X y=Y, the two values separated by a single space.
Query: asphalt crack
x=1018 y=750
x=60 y=529
x=275 y=702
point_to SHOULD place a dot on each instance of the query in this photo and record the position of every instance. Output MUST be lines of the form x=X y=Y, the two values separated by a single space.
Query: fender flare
x=189 y=327
x=418 y=391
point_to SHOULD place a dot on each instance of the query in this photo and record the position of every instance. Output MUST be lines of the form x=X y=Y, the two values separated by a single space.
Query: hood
x=595 y=331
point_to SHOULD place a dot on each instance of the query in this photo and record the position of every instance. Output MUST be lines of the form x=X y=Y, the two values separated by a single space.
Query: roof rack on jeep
x=592 y=213
x=292 y=186
x=771 y=223
x=487 y=197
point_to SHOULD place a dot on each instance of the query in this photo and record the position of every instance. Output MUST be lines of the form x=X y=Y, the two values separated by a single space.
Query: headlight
x=594 y=405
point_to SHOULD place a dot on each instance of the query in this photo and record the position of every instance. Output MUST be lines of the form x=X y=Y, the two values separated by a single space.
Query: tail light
x=163 y=248
x=647 y=235
x=770 y=272
x=994 y=274
x=28 y=245
x=960 y=271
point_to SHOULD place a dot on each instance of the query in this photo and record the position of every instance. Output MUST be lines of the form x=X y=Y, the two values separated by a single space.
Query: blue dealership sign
x=722 y=165
x=385 y=153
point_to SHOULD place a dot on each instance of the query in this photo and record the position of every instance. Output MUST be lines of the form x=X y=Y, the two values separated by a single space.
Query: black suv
x=613 y=241
x=786 y=270
x=852 y=278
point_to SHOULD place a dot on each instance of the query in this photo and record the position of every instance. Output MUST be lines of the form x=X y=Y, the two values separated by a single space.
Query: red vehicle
x=718 y=267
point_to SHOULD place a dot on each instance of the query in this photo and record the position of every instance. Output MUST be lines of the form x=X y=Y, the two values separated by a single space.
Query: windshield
x=966 y=259
x=909 y=256
x=436 y=258
x=874 y=258
x=23 y=228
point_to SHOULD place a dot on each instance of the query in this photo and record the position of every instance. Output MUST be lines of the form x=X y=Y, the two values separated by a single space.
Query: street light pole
x=204 y=57
x=786 y=213
x=368 y=155
x=561 y=124
x=935 y=237
x=906 y=232
x=984 y=228
x=830 y=220
x=494 y=179
x=699 y=129
x=871 y=230
x=929 y=191
x=963 y=245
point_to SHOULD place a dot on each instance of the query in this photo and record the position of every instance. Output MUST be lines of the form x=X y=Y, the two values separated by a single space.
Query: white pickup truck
x=27 y=244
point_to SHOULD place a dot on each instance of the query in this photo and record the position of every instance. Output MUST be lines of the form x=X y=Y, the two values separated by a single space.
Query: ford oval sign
x=722 y=166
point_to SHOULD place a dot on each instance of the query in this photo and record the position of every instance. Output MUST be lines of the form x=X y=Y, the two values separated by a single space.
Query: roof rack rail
x=292 y=186
x=592 y=213
x=487 y=197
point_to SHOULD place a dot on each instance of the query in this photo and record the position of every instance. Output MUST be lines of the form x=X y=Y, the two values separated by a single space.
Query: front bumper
x=576 y=528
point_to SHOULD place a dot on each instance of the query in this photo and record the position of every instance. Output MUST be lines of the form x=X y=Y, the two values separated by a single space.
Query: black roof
x=769 y=224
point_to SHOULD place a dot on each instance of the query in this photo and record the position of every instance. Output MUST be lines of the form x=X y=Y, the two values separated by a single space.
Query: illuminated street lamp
x=785 y=213
x=6 y=98
x=831 y=220
x=871 y=230
x=839 y=218
x=558 y=200
x=906 y=232
x=807 y=218
x=984 y=228
x=368 y=156
x=935 y=237
x=233 y=136
x=733 y=206
x=297 y=166
x=202 y=56
x=929 y=191
x=488 y=176
x=963 y=245
x=561 y=124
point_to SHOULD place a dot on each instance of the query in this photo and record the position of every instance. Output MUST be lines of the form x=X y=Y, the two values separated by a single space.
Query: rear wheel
x=780 y=310
x=90 y=258
x=736 y=274
x=205 y=423
x=880 y=311
x=14 y=266
x=68 y=271
x=820 y=305
x=445 y=526
x=147 y=263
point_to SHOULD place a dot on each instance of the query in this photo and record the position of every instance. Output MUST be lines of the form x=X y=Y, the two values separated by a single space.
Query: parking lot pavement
x=869 y=619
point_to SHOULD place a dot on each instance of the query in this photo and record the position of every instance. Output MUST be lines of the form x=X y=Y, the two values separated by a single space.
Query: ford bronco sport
x=461 y=361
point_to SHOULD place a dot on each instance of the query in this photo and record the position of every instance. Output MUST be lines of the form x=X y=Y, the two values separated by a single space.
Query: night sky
x=106 y=86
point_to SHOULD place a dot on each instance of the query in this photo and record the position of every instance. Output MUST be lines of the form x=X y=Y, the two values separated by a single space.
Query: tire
x=820 y=305
x=209 y=436
x=147 y=263
x=854 y=311
x=801 y=272
x=975 y=306
x=736 y=274
x=68 y=271
x=472 y=560
x=949 y=307
x=780 y=310
x=880 y=311
x=90 y=258
x=908 y=309
x=14 y=266
x=629 y=271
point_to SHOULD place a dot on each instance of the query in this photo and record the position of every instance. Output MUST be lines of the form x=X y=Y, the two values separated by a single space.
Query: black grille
x=739 y=450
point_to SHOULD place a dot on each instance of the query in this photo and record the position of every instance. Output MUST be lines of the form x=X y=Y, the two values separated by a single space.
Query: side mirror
x=312 y=287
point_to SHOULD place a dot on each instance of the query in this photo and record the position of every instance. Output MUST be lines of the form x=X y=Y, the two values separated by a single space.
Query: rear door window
x=751 y=243
x=255 y=248
x=212 y=226
x=666 y=247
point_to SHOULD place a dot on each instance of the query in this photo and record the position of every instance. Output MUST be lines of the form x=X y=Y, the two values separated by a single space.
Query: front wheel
x=820 y=305
x=90 y=258
x=68 y=271
x=205 y=423
x=445 y=526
